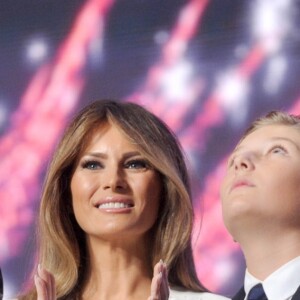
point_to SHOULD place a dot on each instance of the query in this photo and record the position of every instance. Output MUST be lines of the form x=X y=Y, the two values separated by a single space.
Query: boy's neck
x=265 y=255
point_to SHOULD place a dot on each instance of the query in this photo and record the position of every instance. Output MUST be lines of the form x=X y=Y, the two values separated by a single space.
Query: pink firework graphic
x=206 y=67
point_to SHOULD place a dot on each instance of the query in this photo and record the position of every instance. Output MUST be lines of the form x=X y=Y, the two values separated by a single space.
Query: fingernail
x=39 y=270
x=36 y=278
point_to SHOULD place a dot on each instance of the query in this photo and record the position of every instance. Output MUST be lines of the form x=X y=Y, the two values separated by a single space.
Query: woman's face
x=115 y=192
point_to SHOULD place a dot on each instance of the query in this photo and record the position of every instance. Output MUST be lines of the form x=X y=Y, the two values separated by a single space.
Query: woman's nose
x=114 y=179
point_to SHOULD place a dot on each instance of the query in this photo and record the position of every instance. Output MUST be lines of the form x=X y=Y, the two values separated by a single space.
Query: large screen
x=206 y=67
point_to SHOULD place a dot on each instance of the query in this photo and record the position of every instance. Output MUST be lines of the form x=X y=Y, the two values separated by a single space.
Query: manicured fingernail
x=36 y=278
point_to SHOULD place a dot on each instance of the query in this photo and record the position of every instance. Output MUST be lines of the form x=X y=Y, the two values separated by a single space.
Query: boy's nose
x=243 y=162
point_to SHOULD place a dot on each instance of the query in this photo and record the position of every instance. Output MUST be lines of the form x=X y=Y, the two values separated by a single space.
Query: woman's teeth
x=114 y=205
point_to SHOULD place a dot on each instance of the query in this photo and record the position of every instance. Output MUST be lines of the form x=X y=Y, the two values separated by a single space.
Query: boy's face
x=261 y=188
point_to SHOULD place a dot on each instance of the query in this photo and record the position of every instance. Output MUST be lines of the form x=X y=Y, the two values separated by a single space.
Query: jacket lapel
x=241 y=295
x=297 y=295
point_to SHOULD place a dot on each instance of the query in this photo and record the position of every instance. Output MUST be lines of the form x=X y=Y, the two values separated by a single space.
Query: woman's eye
x=91 y=165
x=137 y=164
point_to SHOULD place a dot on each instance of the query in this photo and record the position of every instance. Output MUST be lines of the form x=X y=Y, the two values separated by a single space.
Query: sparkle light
x=36 y=50
x=175 y=80
x=234 y=90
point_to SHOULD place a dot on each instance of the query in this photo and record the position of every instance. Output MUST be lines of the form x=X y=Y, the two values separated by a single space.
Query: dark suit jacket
x=1 y=285
x=241 y=295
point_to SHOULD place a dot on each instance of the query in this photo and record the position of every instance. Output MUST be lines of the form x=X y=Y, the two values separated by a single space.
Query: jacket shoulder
x=189 y=295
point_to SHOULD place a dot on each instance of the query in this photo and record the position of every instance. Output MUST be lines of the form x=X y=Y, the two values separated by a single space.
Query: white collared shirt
x=281 y=284
x=181 y=294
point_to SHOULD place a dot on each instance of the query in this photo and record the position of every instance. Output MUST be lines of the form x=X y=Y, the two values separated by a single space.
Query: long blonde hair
x=62 y=248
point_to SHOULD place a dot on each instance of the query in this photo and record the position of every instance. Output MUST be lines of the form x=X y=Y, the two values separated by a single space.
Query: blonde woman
x=116 y=201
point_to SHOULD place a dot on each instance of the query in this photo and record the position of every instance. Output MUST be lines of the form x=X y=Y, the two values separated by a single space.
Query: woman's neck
x=118 y=270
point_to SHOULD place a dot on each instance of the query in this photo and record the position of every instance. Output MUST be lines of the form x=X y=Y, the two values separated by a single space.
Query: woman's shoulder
x=177 y=294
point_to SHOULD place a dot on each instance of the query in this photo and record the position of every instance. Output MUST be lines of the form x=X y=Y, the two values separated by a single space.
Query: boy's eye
x=230 y=161
x=136 y=164
x=278 y=149
x=91 y=165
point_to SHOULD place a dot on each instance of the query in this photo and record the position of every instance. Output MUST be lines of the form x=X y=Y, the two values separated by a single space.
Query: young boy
x=261 y=206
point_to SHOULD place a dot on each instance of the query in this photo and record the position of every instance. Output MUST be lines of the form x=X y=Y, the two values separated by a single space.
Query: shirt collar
x=281 y=284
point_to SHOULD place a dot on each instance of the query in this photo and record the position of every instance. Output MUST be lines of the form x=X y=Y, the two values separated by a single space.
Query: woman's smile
x=115 y=204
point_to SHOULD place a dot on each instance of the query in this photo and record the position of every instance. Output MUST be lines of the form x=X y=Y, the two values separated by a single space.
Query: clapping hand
x=45 y=285
x=160 y=285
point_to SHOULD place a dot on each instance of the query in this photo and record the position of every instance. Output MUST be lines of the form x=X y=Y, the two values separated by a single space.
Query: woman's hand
x=45 y=285
x=159 y=284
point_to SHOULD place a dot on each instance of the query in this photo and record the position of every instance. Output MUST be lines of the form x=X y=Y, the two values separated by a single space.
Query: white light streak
x=233 y=90
x=276 y=70
x=175 y=81
x=271 y=22
x=3 y=113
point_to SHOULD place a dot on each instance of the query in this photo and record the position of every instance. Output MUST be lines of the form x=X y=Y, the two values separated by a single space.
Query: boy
x=261 y=206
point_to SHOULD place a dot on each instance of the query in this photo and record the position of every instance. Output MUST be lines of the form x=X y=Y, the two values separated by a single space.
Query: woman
x=116 y=191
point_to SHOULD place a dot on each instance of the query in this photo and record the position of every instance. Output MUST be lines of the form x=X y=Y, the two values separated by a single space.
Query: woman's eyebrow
x=131 y=154
x=125 y=155
x=95 y=154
